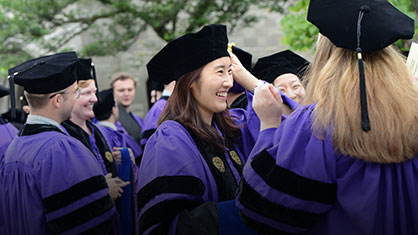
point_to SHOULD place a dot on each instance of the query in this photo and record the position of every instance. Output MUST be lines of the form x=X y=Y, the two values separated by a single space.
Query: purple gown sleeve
x=151 y=120
x=7 y=133
x=250 y=123
x=289 y=182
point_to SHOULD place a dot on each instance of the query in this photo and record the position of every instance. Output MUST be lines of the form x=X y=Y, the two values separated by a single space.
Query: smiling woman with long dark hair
x=193 y=161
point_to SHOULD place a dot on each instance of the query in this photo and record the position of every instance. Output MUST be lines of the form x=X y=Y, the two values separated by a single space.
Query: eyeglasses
x=77 y=91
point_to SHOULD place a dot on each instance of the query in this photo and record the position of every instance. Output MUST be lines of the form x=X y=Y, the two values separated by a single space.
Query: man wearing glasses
x=50 y=182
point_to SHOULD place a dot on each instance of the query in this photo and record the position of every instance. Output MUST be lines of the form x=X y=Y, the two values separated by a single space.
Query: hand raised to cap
x=268 y=105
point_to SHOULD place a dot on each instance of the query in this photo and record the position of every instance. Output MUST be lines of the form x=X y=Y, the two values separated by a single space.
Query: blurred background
x=122 y=35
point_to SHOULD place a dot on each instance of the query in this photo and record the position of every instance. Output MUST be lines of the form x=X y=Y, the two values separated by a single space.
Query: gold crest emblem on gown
x=109 y=156
x=235 y=157
x=219 y=164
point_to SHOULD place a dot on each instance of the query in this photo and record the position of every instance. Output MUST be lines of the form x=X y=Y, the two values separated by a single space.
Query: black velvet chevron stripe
x=189 y=185
x=291 y=183
x=148 y=133
x=80 y=215
x=163 y=212
x=74 y=193
x=255 y=202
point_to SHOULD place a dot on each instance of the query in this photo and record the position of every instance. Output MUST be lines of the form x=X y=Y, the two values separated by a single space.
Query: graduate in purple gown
x=345 y=162
x=79 y=127
x=124 y=88
x=285 y=71
x=7 y=130
x=107 y=112
x=192 y=164
x=50 y=182
x=151 y=119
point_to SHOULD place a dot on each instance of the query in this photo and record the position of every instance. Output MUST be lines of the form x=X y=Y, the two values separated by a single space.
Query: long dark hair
x=182 y=107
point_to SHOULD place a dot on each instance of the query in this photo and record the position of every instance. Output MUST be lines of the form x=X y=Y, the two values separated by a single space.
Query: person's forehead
x=126 y=83
x=286 y=79
x=91 y=86
x=220 y=62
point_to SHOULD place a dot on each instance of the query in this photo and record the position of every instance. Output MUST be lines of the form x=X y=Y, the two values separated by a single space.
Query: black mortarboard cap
x=44 y=75
x=360 y=25
x=87 y=71
x=270 y=67
x=187 y=53
x=4 y=91
x=382 y=23
x=105 y=102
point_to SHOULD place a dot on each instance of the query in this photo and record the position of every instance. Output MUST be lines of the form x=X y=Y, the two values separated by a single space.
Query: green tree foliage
x=32 y=27
x=301 y=35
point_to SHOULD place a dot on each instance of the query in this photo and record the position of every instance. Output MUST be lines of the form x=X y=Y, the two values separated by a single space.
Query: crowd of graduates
x=282 y=147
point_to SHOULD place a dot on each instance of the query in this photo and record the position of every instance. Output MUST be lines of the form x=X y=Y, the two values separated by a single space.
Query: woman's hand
x=242 y=75
x=268 y=105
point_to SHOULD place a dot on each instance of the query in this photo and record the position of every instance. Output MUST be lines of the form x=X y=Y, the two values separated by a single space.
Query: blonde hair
x=84 y=83
x=121 y=76
x=333 y=83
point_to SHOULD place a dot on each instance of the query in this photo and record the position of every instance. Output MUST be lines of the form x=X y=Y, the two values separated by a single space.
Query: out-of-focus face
x=83 y=107
x=291 y=85
x=124 y=92
x=211 y=89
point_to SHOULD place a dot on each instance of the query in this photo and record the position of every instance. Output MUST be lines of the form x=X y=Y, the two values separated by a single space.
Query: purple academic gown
x=51 y=183
x=118 y=139
x=174 y=175
x=296 y=182
x=7 y=133
x=110 y=141
x=151 y=120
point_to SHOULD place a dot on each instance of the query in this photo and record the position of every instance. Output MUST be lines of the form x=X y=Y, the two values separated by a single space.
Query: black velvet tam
x=382 y=24
x=84 y=71
x=270 y=67
x=187 y=53
x=46 y=74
